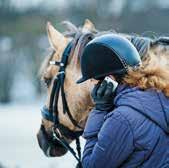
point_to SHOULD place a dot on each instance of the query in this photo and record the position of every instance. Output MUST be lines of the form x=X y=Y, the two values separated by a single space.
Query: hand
x=103 y=96
x=141 y=44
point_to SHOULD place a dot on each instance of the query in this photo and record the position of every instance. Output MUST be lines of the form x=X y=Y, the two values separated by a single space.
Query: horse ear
x=56 y=39
x=88 y=26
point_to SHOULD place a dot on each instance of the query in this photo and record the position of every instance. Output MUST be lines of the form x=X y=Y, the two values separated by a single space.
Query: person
x=129 y=125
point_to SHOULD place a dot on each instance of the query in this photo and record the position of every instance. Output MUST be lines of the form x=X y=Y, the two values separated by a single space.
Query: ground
x=19 y=124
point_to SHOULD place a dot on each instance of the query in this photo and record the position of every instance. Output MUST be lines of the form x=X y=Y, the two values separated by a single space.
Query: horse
x=77 y=99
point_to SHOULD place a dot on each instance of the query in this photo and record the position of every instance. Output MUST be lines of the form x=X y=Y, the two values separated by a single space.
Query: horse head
x=77 y=96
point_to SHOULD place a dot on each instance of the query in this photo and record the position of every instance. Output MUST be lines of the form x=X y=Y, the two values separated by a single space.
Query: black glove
x=141 y=44
x=48 y=145
x=103 y=96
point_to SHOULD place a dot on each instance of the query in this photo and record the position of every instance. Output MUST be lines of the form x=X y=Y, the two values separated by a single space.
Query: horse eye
x=47 y=81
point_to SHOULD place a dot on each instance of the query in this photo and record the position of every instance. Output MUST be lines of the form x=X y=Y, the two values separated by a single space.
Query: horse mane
x=154 y=72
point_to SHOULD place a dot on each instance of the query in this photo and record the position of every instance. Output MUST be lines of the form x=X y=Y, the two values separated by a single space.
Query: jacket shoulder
x=127 y=115
x=136 y=122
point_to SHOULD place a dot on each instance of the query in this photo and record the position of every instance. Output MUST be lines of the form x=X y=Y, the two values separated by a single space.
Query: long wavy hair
x=154 y=72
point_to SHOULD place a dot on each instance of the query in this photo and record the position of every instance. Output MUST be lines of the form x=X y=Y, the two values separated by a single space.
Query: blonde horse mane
x=154 y=72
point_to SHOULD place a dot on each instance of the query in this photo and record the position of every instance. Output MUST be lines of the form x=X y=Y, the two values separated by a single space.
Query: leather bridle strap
x=52 y=114
x=69 y=134
x=58 y=85
x=160 y=40
x=64 y=143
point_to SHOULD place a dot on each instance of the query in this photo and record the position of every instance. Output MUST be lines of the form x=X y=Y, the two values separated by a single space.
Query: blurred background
x=23 y=46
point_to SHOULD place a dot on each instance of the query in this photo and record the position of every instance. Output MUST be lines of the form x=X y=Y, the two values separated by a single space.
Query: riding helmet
x=108 y=55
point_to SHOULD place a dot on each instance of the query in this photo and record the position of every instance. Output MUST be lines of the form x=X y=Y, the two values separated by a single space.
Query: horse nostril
x=58 y=150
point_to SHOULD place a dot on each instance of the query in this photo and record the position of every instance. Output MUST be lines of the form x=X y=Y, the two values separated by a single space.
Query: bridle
x=51 y=114
x=59 y=131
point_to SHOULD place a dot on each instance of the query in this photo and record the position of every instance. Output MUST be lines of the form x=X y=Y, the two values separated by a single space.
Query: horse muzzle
x=50 y=147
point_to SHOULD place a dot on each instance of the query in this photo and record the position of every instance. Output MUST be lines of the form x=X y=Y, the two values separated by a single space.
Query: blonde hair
x=154 y=72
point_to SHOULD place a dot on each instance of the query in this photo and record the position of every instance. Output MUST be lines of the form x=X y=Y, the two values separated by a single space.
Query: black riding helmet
x=108 y=55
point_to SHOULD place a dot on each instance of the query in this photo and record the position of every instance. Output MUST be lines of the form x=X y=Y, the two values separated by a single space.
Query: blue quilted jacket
x=134 y=135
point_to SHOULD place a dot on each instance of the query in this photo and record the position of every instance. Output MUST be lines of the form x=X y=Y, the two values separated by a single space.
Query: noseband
x=51 y=114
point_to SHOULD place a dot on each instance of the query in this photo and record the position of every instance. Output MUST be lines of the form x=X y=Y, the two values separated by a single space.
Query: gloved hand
x=103 y=96
x=141 y=44
x=47 y=144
